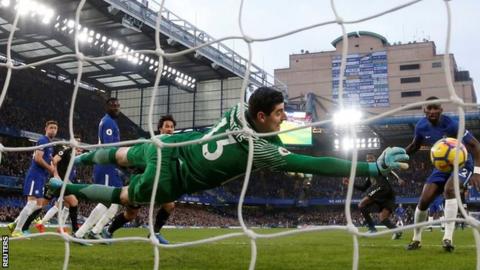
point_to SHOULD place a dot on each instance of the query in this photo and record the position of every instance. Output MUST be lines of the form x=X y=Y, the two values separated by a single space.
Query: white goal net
x=159 y=55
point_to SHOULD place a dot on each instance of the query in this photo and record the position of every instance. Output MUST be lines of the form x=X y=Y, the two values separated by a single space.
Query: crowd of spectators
x=299 y=186
x=267 y=184
x=24 y=109
x=33 y=98
x=220 y=216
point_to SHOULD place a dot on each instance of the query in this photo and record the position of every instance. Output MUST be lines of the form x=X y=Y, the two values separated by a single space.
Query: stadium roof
x=359 y=34
x=128 y=23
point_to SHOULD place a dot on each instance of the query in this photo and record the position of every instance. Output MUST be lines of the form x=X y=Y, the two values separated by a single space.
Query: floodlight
x=5 y=3
x=70 y=23
x=347 y=117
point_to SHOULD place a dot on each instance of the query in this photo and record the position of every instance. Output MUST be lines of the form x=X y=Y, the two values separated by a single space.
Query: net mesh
x=349 y=228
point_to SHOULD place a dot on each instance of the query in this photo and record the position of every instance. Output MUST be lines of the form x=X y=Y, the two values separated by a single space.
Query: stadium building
x=379 y=75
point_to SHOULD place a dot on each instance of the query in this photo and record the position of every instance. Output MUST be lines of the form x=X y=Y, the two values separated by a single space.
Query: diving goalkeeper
x=196 y=167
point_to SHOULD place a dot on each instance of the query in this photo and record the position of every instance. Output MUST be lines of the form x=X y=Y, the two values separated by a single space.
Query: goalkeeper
x=197 y=167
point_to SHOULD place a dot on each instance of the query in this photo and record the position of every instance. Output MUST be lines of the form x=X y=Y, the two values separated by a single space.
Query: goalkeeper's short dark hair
x=264 y=99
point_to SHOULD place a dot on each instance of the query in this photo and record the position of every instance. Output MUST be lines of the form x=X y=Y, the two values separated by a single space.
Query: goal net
x=159 y=54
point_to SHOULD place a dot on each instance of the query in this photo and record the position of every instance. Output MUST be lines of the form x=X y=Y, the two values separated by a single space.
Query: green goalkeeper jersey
x=207 y=165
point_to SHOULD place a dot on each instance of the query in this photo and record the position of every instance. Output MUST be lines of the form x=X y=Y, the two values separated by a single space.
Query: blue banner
x=366 y=74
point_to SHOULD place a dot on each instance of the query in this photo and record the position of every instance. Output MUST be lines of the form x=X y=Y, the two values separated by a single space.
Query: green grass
x=317 y=250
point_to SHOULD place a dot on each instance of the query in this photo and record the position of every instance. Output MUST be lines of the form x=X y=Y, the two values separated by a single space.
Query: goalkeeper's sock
x=420 y=216
x=93 y=218
x=50 y=213
x=30 y=219
x=451 y=211
x=99 y=156
x=160 y=219
x=95 y=193
x=388 y=223
x=117 y=223
x=107 y=217
x=74 y=217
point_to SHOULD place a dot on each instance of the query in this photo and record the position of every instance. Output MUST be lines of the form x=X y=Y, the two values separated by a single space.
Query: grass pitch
x=317 y=250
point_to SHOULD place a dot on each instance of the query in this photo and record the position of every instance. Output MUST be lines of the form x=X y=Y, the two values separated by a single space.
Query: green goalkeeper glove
x=392 y=158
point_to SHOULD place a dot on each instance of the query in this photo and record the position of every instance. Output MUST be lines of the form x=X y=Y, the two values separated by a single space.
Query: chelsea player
x=104 y=174
x=433 y=127
x=40 y=169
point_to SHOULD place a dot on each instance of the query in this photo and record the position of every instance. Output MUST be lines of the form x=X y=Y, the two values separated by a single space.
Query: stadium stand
x=29 y=114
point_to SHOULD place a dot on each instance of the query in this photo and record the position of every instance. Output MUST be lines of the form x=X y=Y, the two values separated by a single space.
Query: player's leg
x=431 y=189
x=52 y=211
x=364 y=206
x=32 y=189
x=161 y=219
x=384 y=217
x=40 y=228
x=106 y=218
x=450 y=211
x=114 y=180
x=30 y=207
x=387 y=207
x=73 y=211
x=30 y=220
x=130 y=213
x=431 y=213
x=101 y=176
x=92 y=219
x=98 y=156
x=99 y=193
x=141 y=185
x=451 y=208
x=70 y=202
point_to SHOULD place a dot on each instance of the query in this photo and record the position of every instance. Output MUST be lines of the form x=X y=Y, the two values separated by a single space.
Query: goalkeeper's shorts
x=140 y=189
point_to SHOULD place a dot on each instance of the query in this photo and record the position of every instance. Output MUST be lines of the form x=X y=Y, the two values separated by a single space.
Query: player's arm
x=38 y=158
x=473 y=147
x=391 y=158
x=400 y=181
x=55 y=161
x=357 y=185
x=414 y=146
x=416 y=143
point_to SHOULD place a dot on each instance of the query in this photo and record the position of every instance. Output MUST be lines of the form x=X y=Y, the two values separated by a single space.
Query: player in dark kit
x=380 y=198
x=62 y=157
